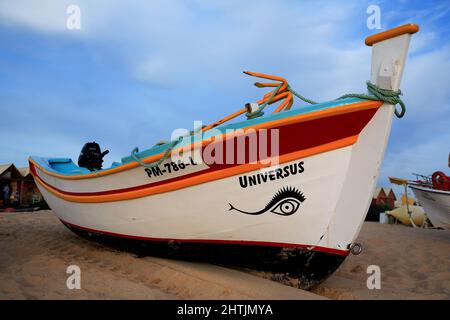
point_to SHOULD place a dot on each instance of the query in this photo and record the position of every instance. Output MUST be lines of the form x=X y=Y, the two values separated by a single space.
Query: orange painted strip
x=395 y=32
x=365 y=105
x=188 y=182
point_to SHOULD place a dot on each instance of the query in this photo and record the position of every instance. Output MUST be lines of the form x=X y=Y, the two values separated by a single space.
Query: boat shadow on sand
x=308 y=267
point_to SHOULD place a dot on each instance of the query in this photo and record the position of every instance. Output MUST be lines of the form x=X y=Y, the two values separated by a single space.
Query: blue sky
x=139 y=69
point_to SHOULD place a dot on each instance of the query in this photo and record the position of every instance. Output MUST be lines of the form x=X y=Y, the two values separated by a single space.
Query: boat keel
x=309 y=267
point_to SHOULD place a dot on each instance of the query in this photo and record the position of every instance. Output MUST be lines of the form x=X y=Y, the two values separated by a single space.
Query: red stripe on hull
x=231 y=242
x=292 y=138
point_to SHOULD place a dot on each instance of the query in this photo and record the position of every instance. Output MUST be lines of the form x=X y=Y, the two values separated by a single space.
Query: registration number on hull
x=169 y=167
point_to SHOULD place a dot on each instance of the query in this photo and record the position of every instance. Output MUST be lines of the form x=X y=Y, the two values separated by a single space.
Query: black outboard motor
x=91 y=157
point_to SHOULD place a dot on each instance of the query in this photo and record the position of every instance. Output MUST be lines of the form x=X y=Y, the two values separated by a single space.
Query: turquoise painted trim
x=67 y=167
x=59 y=160
x=60 y=165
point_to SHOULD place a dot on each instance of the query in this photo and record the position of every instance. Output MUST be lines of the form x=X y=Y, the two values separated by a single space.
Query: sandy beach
x=414 y=264
x=36 y=249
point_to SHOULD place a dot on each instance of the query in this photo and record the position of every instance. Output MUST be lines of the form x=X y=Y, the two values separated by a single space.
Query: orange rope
x=282 y=93
x=227 y=118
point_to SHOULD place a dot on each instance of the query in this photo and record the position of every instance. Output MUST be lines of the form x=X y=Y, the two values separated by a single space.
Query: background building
x=23 y=189
x=384 y=197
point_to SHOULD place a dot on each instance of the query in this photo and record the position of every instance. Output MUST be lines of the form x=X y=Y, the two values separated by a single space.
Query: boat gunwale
x=329 y=112
x=425 y=189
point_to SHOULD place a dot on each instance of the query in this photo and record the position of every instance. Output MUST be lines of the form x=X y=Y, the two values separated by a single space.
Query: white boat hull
x=337 y=186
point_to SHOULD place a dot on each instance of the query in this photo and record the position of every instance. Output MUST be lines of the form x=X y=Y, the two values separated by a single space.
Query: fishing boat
x=304 y=201
x=434 y=196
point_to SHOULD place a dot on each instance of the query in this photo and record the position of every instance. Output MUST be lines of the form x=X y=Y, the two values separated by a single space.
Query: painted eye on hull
x=286 y=207
x=284 y=203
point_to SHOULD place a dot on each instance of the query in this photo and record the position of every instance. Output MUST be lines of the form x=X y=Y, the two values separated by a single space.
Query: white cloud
x=46 y=16
x=167 y=42
x=202 y=46
x=425 y=84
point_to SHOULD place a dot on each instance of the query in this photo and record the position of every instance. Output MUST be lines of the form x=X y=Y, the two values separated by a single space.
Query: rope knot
x=388 y=96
